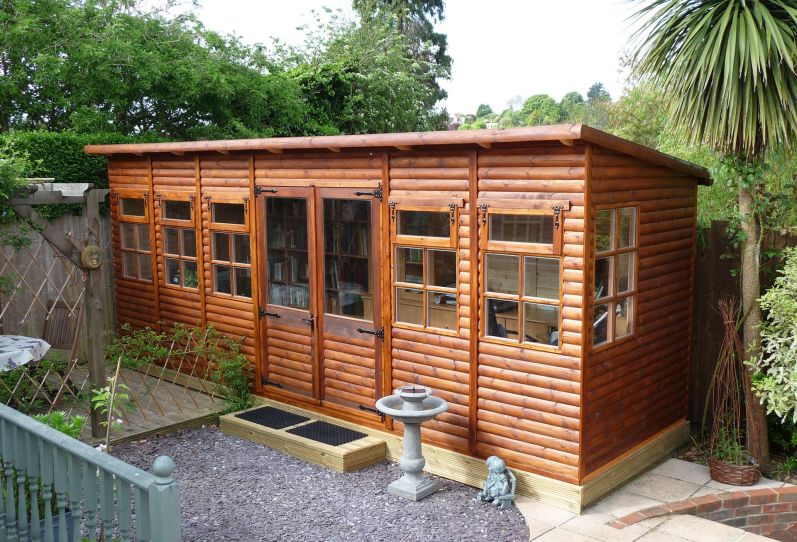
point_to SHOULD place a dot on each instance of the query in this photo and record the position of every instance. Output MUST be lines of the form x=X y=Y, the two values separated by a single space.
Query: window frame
x=180 y=226
x=424 y=244
x=231 y=230
x=631 y=293
x=121 y=219
x=551 y=251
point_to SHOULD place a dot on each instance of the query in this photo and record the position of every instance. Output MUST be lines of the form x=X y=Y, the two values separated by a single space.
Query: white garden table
x=18 y=350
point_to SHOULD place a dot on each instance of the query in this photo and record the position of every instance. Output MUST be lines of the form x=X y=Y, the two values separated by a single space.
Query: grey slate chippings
x=235 y=490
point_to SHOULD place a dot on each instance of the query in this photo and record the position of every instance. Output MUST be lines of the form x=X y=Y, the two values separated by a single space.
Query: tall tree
x=728 y=71
x=415 y=20
x=540 y=109
x=598 y=93
x=572 y=106
x=483 y=110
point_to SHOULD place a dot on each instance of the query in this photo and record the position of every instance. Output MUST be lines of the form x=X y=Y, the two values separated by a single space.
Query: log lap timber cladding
x=539 y=279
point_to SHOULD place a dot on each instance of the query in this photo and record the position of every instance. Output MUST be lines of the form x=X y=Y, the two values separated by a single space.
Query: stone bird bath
x=412 y=405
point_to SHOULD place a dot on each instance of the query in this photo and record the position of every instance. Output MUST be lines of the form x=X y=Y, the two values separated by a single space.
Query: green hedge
x=60 y=154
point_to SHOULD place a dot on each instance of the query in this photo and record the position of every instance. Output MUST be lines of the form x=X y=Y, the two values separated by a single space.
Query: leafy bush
x=60 y=421
x=137 y=348
x=775 y=370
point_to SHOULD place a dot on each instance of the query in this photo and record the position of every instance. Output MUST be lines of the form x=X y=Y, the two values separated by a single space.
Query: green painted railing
x=50 y=480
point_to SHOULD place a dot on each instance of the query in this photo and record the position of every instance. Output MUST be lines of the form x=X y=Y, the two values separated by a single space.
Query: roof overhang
x=565 y=134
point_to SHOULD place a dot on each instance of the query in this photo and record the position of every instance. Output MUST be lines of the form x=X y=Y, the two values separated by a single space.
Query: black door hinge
x=259 y=190
x=370 y=409
x=310 y=321
x=379 y=333
x=376 y=193
x=557 y=210
x=262 y=313
x=266 y=382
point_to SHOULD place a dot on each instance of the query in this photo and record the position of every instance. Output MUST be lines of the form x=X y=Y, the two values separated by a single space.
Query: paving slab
x=698 y=529
x=662 y=488
x=762 y=483
x=683 y=470
x=596 y=526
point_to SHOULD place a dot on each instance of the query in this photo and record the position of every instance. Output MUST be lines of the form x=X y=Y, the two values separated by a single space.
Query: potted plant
x=729 y=461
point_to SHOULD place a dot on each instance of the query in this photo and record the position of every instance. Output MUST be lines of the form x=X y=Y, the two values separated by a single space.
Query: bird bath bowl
x=412 y=406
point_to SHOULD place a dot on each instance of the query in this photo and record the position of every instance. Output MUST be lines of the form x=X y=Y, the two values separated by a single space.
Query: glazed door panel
x=349 y=297
x=287 y=300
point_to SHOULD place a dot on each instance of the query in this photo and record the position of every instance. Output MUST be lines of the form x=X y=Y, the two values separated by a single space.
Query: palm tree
x=728 y=70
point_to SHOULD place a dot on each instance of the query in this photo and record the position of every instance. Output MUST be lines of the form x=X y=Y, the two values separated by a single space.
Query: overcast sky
x=501 y=48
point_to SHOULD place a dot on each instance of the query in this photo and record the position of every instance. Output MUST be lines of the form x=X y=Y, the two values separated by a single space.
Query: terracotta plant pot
x=729 y=473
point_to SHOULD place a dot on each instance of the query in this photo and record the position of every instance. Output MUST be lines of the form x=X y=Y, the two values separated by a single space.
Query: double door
x=320 y=295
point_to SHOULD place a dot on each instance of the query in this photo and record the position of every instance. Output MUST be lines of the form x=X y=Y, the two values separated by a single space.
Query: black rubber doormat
x=334 y=435
x=271 y=417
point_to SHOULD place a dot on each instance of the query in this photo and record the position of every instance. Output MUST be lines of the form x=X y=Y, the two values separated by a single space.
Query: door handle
x=309 y=321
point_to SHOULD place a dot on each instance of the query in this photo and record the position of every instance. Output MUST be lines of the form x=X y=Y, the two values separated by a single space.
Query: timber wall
x=522 y=403
x=638 y=387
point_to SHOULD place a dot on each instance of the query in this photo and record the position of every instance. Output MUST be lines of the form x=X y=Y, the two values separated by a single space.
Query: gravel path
x=236 y=490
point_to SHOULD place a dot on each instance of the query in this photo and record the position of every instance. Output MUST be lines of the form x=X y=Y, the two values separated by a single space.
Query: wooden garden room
x=539 y=279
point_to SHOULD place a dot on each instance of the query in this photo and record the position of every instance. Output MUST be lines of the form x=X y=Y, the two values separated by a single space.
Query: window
x=425 y=268
x=614 y=288
x=231 y=265
x=134 y=232
x=136 y=256
x=521 y=276
x=180 y=265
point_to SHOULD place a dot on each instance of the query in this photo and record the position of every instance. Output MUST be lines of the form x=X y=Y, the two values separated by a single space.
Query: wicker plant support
x=730 y=379
x=737 y=475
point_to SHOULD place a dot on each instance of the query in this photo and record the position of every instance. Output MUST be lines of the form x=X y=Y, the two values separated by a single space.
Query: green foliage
x=540 y=109
x=137 y=348
x=598 y=93
x=483 y=110
x=361 y=79
x=229 y=367
x=14 y=167
x=728 y=447
x=638 y=116
x=111 y=401
x=775 y=377
x=60 y=421
x=727 y=69
x=415 y=21
x=572 y=107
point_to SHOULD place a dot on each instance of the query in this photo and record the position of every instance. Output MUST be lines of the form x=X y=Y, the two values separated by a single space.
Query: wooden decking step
x=316 y=440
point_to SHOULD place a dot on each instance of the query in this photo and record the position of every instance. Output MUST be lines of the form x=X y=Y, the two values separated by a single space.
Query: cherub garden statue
x=499 y=487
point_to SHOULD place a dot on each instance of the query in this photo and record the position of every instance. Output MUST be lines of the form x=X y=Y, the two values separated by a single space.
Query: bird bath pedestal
x=412 y=405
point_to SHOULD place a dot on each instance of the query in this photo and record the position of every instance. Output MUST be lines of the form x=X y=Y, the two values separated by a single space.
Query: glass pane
x=624 y=320
x=603 y=277
x=347 y=250
x=625 y=272
x=228 y=213
x=243 y=281
x=287 y=253
x=240 y=246
x=541 y=323
x=142 y=236
x=409 y=265
x=541 y=277
x=177 y=210
x=502 y=273
x=128 y=232
x=424 y=223
x=502 y=316
x=521 y=228
x=189 y=242
x=145 y=265
x=409 y=306
x=129 y=266
x=190 y=275
x=600 y=324
x=442 y=268
x=172 y=271
x=441 y=310
x=604 y=230
x=221 y=279
x=627 y=231
x=133 y=206
x=171 y=241
x=221 y=246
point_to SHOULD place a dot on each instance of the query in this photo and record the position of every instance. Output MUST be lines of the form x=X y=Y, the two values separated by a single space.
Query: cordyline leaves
x=727 y=67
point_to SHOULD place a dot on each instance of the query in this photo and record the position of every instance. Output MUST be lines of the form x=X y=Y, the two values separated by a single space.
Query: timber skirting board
x=473 y=471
